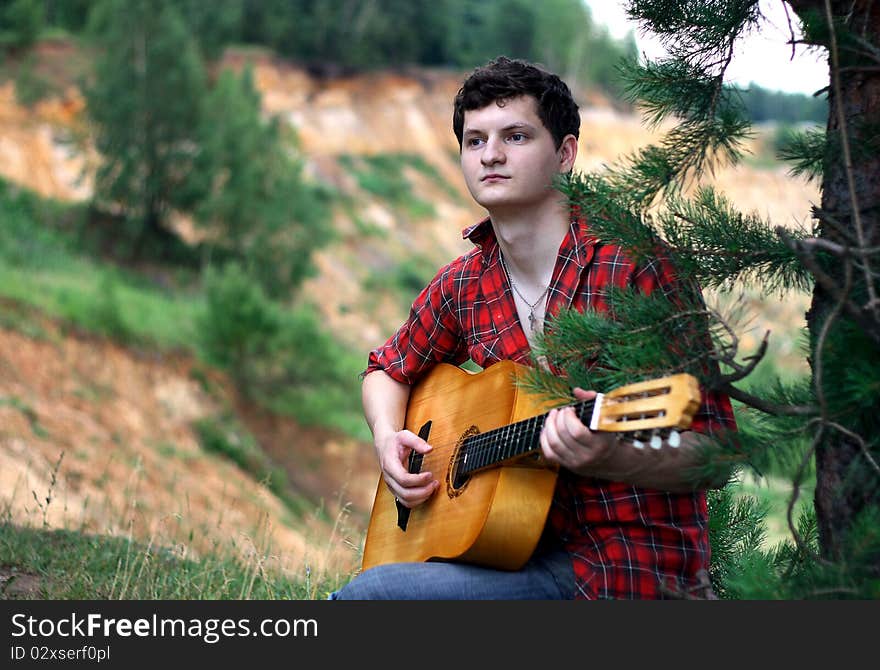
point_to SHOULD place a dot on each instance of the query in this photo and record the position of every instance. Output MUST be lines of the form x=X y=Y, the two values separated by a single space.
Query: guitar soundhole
x=456 y=479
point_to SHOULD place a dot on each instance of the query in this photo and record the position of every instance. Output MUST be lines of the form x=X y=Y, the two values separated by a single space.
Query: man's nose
x=492 y=153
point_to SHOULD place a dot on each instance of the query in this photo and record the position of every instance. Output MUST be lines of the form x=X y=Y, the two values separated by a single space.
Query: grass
x=179 y=559
x=383 y=175
x=71 y=565
x=101 y=300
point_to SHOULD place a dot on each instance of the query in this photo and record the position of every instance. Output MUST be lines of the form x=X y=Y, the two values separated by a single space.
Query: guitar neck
x=511 y=442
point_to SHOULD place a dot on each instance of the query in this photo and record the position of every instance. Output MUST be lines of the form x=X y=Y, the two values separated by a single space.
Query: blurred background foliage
x=178 y=137
x=181 y=138
x=360 y=35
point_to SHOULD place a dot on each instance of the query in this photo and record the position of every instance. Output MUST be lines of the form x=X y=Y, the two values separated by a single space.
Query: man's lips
x=494 y=177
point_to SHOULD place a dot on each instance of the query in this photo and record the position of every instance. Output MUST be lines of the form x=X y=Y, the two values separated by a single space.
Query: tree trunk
x=154 y=240
x=842 y=491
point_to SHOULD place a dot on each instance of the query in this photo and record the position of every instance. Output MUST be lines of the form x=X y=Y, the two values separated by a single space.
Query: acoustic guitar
x=495 y=487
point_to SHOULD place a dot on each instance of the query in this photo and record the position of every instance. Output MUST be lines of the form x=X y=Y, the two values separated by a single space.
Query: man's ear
x=567 y=153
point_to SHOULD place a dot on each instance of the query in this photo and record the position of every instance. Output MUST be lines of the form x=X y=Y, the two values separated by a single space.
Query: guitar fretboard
x=509 y=442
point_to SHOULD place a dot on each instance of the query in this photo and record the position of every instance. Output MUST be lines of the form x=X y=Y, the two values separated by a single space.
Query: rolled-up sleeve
x=432 y=334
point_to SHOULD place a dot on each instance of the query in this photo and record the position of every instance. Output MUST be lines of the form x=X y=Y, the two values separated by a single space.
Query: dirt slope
x=98 y=437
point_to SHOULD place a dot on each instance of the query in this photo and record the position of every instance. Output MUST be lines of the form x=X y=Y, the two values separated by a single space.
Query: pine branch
x=839 y=228
x=689 y=86
x=691 y=28
x=806 y=151
x=640 y=337
x=736 y=530
x=705 y=237
x=718 y=245
x=765 y=405
x=710 y=242
x=674 y=88
x=858 y=440
x=843 y=251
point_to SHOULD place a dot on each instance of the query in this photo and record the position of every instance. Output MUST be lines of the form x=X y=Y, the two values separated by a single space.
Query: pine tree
x=20 y=23
x=657 y=199
x=248 y=189
x=145 y=102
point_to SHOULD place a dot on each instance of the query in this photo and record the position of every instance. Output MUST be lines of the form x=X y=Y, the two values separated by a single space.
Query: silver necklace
x=533 y=320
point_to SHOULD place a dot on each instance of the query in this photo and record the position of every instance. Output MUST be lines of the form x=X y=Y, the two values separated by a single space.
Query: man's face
x=508 y=157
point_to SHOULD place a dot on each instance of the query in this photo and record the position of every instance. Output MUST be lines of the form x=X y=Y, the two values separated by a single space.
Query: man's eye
x=474 y=141
x=518 y=137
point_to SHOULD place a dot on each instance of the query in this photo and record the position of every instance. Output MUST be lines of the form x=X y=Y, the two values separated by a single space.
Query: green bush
x=20 y=23
x=27 y=237
x=406 y=279
x=283 y=360
x=227 y=439
x=107 y=312
x=310 y=376
x=30 y=86
x=238 y=324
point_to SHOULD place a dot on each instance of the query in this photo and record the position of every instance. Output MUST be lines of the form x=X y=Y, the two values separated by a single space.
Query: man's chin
x=498 y=201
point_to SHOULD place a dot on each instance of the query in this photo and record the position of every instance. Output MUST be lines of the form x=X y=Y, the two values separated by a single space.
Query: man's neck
x=529 y=240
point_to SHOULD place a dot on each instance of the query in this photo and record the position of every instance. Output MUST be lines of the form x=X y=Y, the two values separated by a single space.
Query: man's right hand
x=393 y=451
x=385 y=401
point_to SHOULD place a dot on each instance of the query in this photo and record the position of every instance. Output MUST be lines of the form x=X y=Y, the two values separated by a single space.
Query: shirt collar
x=483 y=236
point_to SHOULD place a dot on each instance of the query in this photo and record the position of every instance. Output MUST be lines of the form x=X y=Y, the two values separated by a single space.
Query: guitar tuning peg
x=636 y=442
x=674 y=439
x=656 y=442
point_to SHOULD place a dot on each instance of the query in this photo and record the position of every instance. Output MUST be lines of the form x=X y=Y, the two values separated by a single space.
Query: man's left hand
x=565 y=440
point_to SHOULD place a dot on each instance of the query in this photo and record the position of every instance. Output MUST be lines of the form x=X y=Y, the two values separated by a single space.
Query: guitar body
x=497 y=516
x=495 y=489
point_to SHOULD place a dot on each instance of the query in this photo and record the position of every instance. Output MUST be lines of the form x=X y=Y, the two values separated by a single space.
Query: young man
x=624 y=523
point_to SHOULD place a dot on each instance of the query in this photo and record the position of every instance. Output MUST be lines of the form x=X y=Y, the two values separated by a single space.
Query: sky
x=763 y=57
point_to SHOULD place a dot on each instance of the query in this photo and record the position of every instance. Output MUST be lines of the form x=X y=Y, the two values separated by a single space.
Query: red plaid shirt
x=625 y=541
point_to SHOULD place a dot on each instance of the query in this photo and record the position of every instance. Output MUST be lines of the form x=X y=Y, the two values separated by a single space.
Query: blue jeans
x=547 y=576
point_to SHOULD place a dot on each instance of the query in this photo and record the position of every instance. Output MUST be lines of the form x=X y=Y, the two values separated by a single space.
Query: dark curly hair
x=505 y=78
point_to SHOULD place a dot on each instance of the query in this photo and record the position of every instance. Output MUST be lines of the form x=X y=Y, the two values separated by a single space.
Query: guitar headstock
x=658 y=406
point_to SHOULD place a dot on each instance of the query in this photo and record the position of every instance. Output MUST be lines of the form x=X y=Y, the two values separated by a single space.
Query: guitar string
x=484 y=448
x=486 y=441
x=493 y=442
x=489 y=443
x=478 y=446
x=485 y=444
